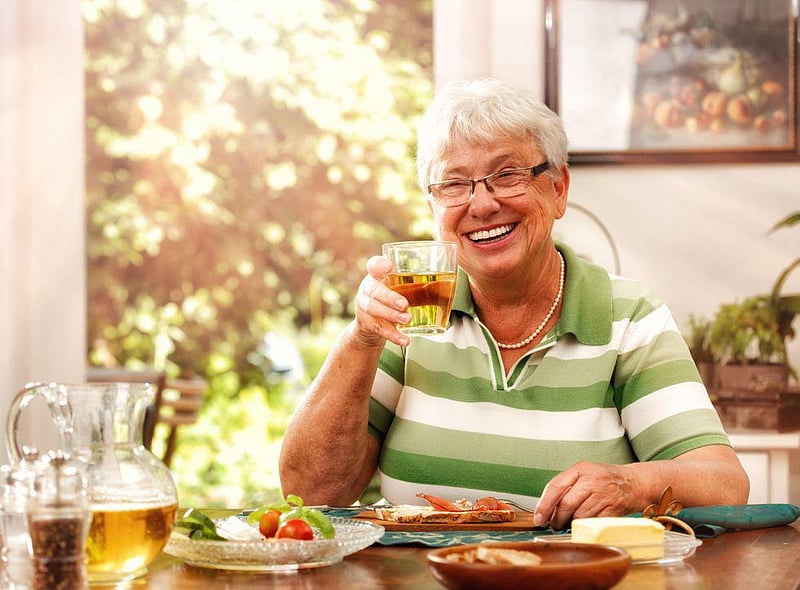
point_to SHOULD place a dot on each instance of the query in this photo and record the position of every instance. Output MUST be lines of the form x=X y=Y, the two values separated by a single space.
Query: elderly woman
x=556 y=382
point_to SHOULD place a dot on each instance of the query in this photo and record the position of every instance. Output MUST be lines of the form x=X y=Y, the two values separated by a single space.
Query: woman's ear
x=561 y=188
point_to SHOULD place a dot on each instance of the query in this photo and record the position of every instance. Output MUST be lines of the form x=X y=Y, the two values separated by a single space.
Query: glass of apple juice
x=425 y=274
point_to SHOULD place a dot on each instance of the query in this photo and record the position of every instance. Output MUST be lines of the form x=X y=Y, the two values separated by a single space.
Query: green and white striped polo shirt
x=612 y=382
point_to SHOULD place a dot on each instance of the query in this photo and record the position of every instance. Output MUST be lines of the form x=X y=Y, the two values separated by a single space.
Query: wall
x=696 y=233
x=42 y=291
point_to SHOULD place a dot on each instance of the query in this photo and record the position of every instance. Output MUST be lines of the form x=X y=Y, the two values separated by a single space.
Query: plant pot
x=757 y=382
x=781 y=415
x=756 y=397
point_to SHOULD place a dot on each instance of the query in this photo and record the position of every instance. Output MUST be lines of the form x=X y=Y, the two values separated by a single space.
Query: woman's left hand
x=701 y=477
x=586 y=489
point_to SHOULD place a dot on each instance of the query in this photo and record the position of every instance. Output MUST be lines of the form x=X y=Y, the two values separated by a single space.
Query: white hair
x=482 y=111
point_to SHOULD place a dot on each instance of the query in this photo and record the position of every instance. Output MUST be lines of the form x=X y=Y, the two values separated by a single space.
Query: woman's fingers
x=551 y=496
x=584 y=490
x=568 y=506
x=378 y=308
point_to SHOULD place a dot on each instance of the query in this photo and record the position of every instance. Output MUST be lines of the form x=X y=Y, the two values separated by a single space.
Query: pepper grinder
x=58 y=521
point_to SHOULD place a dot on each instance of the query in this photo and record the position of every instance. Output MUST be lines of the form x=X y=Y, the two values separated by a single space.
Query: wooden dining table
x=766 y=558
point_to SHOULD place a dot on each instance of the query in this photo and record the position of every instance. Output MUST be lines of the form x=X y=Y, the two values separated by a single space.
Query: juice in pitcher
x=124 y=538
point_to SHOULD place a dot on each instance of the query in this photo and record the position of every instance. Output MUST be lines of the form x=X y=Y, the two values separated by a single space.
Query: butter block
x=643 y=538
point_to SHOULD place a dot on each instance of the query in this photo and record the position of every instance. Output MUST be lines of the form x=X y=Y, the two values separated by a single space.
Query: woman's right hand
x=378 y=308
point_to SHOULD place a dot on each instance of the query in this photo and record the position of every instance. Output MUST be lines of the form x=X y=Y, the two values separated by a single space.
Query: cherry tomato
x=295 y=528
x=268 y=523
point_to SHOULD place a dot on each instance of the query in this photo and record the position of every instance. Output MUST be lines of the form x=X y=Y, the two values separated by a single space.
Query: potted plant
x=754 y=333
x=747 y=341
x=751 y=373
x=748 y=349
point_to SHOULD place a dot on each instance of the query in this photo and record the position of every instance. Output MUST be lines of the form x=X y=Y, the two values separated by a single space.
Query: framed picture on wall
x=674 y=80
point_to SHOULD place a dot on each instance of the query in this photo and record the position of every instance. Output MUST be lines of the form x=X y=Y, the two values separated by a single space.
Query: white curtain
x=42 y=243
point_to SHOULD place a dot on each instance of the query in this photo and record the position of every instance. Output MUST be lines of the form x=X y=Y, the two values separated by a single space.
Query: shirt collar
x=586 y=311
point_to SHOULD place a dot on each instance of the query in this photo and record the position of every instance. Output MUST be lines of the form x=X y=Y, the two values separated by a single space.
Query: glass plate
x=677 y=546
x=278 y=555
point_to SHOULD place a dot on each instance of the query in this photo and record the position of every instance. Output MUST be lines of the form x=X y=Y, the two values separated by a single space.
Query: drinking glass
x=425 y=274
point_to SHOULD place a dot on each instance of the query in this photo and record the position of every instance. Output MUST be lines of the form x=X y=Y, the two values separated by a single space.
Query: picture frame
x=674 y=81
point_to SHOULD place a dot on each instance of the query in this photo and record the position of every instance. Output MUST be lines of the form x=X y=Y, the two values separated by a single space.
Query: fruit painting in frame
x=674 y=80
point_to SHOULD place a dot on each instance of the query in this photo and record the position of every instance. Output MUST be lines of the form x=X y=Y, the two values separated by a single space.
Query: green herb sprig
x=199 y=526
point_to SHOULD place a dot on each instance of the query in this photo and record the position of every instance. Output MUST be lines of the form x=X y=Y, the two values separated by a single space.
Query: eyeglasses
x=503 y=184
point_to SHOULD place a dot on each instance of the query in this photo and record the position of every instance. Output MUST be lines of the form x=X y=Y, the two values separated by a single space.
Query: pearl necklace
x=546 y=319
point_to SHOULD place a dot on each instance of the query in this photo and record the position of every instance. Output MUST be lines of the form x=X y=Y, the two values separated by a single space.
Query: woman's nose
x=483 y=199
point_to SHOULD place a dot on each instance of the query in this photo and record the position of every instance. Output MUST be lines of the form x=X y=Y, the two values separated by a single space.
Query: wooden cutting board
x=522 y=522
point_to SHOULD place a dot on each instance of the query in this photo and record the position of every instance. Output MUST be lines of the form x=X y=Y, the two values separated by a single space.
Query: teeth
x=491 y=233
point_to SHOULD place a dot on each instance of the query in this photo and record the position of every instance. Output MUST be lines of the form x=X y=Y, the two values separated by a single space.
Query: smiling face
x=500 y=238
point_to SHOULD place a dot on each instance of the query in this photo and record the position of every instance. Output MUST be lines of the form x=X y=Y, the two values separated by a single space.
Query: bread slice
x=495 y=556
x=423 y=514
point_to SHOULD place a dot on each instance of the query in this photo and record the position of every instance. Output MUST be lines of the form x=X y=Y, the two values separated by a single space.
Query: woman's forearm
x=327 y=454
x=706 y=476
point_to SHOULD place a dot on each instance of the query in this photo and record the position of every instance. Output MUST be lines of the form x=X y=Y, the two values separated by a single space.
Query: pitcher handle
x=55 y=396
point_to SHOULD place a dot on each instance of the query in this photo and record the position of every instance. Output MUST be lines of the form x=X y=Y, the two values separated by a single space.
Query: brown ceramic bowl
x=565 y=566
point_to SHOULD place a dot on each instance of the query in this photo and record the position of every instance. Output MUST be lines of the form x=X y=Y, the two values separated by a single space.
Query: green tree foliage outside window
x=244 y=159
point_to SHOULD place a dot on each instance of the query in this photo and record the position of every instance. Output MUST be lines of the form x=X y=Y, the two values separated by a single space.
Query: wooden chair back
x=179 y=404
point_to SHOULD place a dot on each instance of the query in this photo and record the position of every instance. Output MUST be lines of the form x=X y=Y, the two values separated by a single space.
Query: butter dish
x=677 y=547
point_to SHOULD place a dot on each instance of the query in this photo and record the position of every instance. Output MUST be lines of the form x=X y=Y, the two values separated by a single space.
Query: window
x=243 y=161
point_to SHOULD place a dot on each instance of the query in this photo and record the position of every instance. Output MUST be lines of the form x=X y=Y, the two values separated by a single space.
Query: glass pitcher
x=132 y=495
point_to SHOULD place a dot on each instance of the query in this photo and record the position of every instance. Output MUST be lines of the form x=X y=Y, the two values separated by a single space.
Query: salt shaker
x=17 y=482
x=58 y=521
